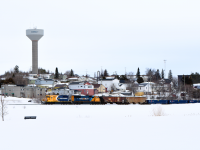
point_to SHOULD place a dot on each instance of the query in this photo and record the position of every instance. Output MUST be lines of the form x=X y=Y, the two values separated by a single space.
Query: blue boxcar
x=173 y=101
x=157 y=101
x=182 y=101
x=192 y=101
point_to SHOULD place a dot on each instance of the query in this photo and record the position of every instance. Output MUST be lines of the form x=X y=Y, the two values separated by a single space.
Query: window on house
x=90 y=86
x=140 y=88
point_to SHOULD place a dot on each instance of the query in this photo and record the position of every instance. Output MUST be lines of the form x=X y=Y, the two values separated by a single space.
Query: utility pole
x=164 y=67
x=184 y=83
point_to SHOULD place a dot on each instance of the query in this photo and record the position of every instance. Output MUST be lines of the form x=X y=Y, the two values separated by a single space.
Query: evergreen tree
x=170 y=75
x=56 y=73
x=41 y=71
x=71 y=73
x=140 y=80
x=195 y=77
x=16 y=69
x=138 y=73
x=156 y=76
x=123 y=77
x=162 y=74
x=105 y=73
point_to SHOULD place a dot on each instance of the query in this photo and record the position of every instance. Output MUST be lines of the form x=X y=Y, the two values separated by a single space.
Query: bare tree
x=3 y=109
x=21 y=79
x=150 y=72
x=131 y=85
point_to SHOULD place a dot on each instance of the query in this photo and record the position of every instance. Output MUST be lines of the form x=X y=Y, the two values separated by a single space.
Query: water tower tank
x=34 y=35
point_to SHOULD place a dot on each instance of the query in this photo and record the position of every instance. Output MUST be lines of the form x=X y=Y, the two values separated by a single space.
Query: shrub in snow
x=158 y=111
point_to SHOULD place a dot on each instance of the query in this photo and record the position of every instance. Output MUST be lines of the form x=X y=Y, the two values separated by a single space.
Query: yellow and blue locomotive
x=74 y=99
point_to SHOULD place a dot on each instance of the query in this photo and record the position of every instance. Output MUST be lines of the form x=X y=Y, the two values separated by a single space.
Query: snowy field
x=100 y=127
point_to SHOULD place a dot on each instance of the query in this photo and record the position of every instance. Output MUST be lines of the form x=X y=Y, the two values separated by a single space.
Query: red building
x=85 y=87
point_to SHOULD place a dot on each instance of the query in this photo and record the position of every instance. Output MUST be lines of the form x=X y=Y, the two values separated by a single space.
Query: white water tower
x=34 y=35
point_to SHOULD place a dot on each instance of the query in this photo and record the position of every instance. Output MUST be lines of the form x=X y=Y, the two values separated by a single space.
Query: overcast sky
x=112 y=34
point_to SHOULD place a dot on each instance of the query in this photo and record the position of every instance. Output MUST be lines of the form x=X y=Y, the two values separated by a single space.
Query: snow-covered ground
x=101 y=127
x=15 y=100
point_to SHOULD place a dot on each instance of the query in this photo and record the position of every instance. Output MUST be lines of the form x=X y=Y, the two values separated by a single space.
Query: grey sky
x=114 y=34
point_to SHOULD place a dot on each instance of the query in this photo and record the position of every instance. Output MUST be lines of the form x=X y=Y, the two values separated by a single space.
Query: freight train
x=81 y=99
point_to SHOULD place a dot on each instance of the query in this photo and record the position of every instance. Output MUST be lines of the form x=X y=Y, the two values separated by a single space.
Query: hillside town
x=152 y=85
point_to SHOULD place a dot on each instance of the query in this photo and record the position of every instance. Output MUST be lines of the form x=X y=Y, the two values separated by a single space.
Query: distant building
x=45 y=83
x=112 y=84
x=85 y=87
x=23 y=91
x=100 y=88
x=63 y=91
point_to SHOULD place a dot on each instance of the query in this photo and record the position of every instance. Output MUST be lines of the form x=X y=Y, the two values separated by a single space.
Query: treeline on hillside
x=15 y=76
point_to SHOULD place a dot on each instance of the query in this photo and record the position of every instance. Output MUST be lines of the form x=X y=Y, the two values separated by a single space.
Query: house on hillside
x=85 y=87
x=100 y=88
x=60 y=86
x=145 y=87
x=44 y=83
x=62 y=91
x=73 y=79
x=112 y=84
x=134 y=77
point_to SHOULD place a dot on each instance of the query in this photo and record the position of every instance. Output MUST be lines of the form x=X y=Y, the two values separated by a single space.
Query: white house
x=146 y=87
x=63 y=91
x=112 y=84
x=44 y=82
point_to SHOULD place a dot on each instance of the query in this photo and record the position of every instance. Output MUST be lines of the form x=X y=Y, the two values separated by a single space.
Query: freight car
x=112 y=99
x=171 y=101
x=136 y=100
x=74 y=99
